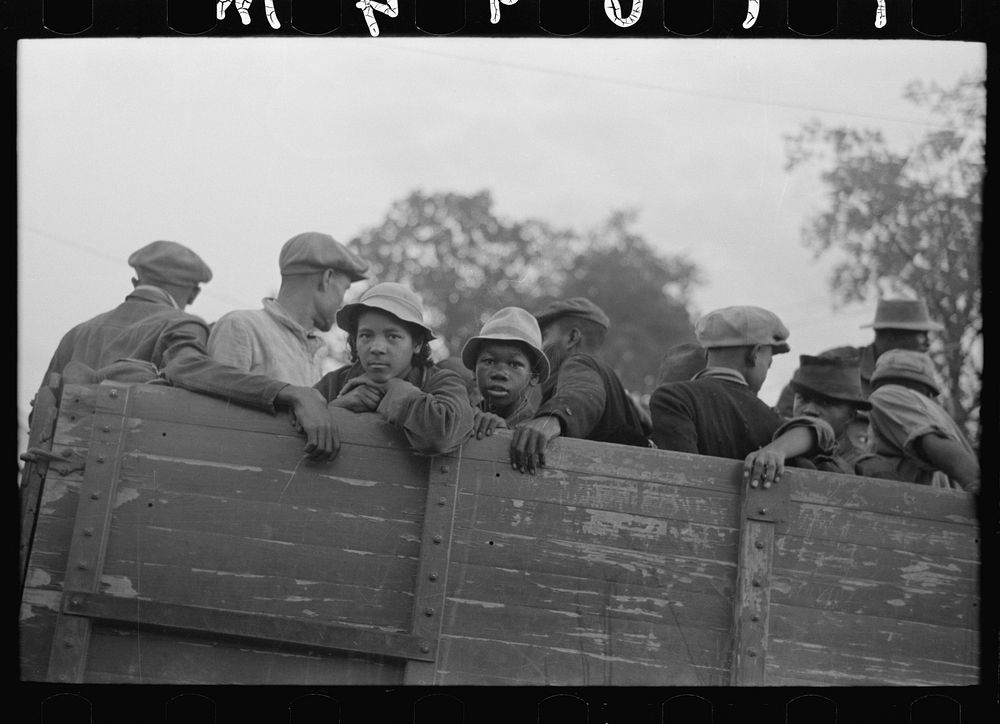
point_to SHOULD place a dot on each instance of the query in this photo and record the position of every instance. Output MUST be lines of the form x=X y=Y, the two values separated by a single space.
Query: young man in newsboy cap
x=151 y=336
x=718 y=412
x=913 y=438
x=280 y=340
x=583 y=396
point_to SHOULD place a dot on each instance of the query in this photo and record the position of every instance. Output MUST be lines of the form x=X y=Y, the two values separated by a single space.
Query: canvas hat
x=314 y=252
x=396 y=299
x=168 y=262
x=510 y=324
x=903 y=314
x=742 y=327
x=908 y=365
x=574 y=307
x=837 y=379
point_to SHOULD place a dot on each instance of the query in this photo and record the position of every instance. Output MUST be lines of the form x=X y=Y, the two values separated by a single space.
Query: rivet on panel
x=762 y=511
x=758 y=545
x=442 y=501
x=425 y=648
x=113 y=393
x=95 y=496
x=755 y=618
x=445 y=469
x=751 y=653
x=432 y=576
x=67 y=452
x=88 y=532
x=437 y=539
x=428 y=611
x=100 y=458
x=756 y=583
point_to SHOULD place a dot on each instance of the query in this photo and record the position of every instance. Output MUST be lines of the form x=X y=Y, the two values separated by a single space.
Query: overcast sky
x=231 y=146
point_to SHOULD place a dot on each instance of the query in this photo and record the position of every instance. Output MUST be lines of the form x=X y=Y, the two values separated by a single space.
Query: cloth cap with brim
x=574 y=307
x=167 y=262
x=742 y=326
x=908 y=365
x=312 y=252
x=837 y=379
x=396 y=299
x=908 y=314
x=510 y=324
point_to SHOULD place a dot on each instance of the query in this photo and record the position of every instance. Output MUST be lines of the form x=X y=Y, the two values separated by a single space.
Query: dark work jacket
x=710 y=416
x=591 y=403
x=146 y=327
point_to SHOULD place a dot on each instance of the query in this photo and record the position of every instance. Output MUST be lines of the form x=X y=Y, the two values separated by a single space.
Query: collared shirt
x=147 y=327
x=899 y=417
x=722 y=373
x=269 y=342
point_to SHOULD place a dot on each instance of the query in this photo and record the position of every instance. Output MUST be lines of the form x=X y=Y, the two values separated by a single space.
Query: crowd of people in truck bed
x=868 y=411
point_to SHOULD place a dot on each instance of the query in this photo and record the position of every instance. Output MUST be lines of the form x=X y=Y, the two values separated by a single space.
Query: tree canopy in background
x=906 y=221
x=466 y=262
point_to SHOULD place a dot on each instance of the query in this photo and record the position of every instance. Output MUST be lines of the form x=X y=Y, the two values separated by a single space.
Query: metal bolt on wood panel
x=445 y=469
x=88 y=532
x=433 y=576
x=95 y=496
x=113 y=394
x=437 y=539
x=428 y=611
x=759 y=545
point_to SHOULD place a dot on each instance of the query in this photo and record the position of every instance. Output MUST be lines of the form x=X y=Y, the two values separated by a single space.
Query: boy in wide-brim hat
x=509 y=364
x=391 y=372
x=827 y=401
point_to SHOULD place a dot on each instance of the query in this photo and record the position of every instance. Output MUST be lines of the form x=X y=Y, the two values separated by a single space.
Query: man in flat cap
x=913 y=438
x=583 y=396
x=150 y=336
x=718 y=412
x=280 y=340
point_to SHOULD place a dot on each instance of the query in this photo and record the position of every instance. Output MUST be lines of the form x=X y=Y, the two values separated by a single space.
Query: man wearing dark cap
x=150 y=336
x=913 y=438
x=718 y=412
x=281 y=339
x=827 y=399
x=582 y=396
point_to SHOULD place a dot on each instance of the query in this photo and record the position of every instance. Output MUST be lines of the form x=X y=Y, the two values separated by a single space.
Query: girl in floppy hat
x=391 y=372
x=507 y=360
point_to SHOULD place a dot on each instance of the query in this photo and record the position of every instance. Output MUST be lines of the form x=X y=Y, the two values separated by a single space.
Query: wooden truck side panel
x=246 y=563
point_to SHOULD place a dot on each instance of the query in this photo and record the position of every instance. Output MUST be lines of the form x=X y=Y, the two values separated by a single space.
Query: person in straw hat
x=391 y=372
x=827 y=400
x=280 y=340
x=583 y=396
x=509 y=364
x=913 y=438
x=150 y=337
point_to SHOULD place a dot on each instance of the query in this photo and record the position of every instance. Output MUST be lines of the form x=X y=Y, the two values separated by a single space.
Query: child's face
x=503 y=373
x=836 y=412
x=385 y=346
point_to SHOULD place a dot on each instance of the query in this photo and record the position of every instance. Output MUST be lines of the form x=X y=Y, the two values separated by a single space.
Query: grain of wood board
x=827 y=665
x=598 y=562
x=374 y=606
x=148 y=657
x=461 y=662
x=588 y=596
x=389 y=533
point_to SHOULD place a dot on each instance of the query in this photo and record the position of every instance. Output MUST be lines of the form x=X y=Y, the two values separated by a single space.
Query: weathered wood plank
x=752 y=605
x=262 y=558
x=462 y=662
x=612 y=494
x=147 y=656
x=599 y=562
x=138 y=507
x=601 y=636
x=822 y=522
x=621 y=530
x=876 y=598
x=568 y=458
x=347 y=483
x=888 y=497
x=807 y=556
x=792 y=661
x=590 y=597
x=874 y=636
x=370 y=605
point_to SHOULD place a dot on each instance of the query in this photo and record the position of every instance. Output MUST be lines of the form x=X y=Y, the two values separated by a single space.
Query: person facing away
x=151 y=337
x=912 y=437
x=681 y=362
x=391 y=372
x=718 y=412
x=280 y=340
x=509 y=364
x=583 y=396
x=827 y=401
